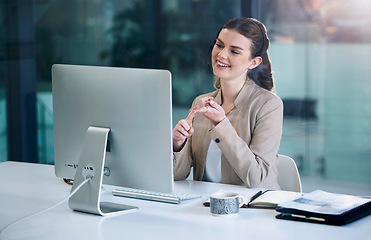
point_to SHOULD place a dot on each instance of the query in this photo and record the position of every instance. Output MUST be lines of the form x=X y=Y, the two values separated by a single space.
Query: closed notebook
x=267 y=199
x=326 y=208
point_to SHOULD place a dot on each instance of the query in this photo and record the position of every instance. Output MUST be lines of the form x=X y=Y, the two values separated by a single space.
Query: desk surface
x=27 y=188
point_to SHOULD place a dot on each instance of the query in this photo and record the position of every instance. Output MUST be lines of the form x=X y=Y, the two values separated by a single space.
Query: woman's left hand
x=211 y=110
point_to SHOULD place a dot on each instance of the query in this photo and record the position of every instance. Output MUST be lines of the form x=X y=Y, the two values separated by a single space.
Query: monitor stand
x=91 y=165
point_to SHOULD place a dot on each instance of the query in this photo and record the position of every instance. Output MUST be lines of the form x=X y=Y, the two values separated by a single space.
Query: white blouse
x=213 y=169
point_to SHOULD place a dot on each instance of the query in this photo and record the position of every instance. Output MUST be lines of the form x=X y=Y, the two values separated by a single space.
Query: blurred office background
x=320 y=52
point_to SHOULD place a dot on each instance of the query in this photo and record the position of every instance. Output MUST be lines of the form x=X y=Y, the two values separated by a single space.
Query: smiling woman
x=255 y=33
x=232 y=135
x=232 y=52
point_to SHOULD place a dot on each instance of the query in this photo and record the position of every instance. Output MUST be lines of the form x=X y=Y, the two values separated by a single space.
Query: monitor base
x=91 y=165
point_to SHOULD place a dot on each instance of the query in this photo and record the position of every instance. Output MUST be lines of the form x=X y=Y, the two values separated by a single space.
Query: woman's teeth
x=222 y=64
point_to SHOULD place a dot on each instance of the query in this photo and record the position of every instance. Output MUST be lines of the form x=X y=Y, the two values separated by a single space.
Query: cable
x=45 y=210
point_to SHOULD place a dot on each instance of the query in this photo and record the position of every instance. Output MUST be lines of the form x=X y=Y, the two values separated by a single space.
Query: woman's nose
x=223 y=53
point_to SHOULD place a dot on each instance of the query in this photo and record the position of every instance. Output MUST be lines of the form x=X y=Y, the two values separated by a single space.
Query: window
x=166 y=34
x=321 y=53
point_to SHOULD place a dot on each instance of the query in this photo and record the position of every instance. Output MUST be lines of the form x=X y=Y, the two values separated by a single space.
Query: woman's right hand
x=183 y=130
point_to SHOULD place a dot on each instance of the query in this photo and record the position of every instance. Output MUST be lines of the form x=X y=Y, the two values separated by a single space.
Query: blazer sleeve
x=182 y=161
x=253 y=160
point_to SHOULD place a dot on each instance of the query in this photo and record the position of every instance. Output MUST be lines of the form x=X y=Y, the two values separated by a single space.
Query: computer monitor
x=132 y=108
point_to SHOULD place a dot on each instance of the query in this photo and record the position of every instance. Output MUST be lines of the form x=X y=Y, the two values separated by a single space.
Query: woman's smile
x=222 y=64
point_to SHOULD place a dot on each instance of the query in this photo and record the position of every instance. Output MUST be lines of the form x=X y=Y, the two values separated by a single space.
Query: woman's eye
x=218 y=45
x=234 y=52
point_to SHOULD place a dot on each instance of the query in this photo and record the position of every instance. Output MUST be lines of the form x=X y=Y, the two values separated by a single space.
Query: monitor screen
x=135 y=104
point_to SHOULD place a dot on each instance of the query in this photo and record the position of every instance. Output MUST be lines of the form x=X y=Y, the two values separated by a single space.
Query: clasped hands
x=183 y=130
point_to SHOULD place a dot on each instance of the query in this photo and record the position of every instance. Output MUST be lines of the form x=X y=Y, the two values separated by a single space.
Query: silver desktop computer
x=114 y=126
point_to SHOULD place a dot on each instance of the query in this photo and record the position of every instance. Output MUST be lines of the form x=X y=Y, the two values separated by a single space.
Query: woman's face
x=231 y=56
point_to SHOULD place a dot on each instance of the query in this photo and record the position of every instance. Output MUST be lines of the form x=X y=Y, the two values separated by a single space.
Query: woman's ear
x=255 y=62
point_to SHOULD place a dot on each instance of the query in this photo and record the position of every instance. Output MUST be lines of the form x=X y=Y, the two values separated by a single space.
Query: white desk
x=27 y=188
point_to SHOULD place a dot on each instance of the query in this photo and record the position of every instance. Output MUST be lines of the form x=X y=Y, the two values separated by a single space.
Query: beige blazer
x=249 y=140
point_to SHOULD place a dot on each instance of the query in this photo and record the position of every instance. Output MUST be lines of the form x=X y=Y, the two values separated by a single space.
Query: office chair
x=288 y=174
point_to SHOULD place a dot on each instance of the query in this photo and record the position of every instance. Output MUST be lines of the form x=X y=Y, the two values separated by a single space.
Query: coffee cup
x=225 y=203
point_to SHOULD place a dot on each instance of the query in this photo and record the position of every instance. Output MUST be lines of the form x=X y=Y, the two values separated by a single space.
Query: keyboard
x=175 y=198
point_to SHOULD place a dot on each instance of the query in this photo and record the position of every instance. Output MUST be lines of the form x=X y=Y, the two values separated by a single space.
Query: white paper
x=325 y=203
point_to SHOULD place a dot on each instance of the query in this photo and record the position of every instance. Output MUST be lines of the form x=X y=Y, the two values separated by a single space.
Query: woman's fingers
x=205 y=101
x=181 y=132
x=211 y=108
x=184 y=127
x=192 y=114
x=213 y=111
x=216 y=106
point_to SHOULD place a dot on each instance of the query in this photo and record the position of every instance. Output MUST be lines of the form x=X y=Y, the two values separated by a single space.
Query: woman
x=232 y=135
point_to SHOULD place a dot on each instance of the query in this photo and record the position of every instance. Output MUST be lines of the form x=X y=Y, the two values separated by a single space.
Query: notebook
x=267 y=199
x=324 y=207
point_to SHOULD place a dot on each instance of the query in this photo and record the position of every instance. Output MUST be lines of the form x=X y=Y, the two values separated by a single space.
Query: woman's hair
x=257 y=33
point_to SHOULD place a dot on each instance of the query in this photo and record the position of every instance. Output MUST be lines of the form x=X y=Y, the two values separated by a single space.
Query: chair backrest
x=288 y=174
